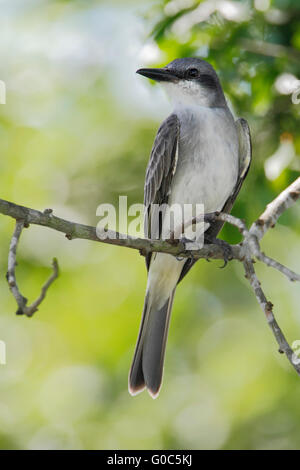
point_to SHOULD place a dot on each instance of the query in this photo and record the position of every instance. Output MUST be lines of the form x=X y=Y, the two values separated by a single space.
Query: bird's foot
x=190 y=246
x=226 y=248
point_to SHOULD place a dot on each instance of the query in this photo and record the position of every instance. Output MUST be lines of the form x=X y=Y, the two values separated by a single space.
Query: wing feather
x=161 y=168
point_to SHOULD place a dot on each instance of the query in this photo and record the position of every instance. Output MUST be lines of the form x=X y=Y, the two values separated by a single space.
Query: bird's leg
x=226 y=248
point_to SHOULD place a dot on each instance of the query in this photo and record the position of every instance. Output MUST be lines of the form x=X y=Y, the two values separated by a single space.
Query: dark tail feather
x=136 y=382
x=148 y=360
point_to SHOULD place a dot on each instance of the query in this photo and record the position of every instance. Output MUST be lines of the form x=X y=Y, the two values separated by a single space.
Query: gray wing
x=245 y=156
x=245 y=147
x=160 y=169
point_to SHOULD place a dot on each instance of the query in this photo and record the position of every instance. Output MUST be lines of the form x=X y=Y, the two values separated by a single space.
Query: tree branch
x=73 y=230
x=246 y=251
x=267 y=307
x=270 y=49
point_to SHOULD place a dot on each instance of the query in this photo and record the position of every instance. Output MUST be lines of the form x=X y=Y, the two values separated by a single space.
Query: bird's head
x=188 y=81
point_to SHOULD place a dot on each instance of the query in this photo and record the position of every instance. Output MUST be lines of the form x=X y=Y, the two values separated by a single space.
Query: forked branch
x=246 y=251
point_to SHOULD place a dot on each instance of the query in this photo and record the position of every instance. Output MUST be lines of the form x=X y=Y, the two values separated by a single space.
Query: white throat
x=188 y=92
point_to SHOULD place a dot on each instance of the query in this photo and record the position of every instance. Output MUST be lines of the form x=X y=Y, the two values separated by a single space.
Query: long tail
x=147 y=365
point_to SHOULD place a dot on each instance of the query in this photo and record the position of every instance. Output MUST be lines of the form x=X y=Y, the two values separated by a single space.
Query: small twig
x=291 y=275
x=34 y=306
x=274 y=209
x=223 y=217
x=212 y=217
x=251 y=237
x=12 y=263
x=11 y=276
x=267 y=308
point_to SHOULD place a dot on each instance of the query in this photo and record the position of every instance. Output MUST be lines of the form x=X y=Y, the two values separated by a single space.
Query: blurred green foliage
x=76 y=131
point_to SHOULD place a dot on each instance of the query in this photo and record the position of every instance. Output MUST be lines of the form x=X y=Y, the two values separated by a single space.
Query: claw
x=226 y=248
x=185 y=241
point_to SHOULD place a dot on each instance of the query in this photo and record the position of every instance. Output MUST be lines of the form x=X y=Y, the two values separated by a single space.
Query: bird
x=201 y=154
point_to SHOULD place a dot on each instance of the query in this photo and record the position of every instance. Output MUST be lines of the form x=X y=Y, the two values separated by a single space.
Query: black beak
x=160 y=75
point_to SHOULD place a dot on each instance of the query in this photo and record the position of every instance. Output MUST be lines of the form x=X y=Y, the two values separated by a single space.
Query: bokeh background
x=76 y=131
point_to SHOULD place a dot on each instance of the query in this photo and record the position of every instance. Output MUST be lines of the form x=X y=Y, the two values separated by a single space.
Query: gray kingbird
x=200 y=155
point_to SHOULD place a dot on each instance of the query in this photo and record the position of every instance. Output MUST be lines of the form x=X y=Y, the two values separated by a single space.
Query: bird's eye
x=192 y=73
